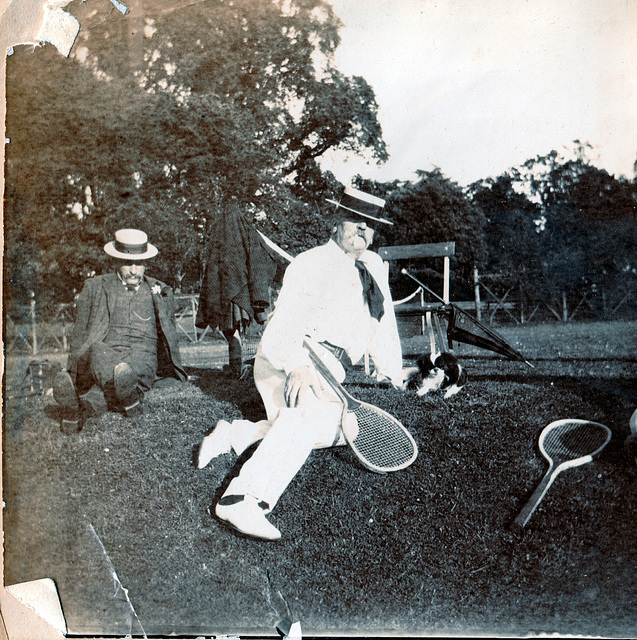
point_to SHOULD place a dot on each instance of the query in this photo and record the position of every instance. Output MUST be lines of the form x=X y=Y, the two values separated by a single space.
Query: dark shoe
x=135 y=406
x=65 y=395
x=125 y=381
x=64 y=391
x=129 y=396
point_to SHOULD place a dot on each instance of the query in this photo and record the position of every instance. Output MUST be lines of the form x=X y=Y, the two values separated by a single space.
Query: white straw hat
x=131 y=244
x=361 y=203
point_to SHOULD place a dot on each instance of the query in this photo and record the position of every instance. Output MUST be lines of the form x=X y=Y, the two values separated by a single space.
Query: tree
x=512 y=241
x=435 y=209
x=432 y=209
x=158 y=122
x=256 y=98
x=586 y=225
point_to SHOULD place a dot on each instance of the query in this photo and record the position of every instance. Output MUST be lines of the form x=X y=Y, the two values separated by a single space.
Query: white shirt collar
x=337 y=251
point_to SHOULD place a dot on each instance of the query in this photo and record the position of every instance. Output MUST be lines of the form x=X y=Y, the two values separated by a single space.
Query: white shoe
x=248 y=517
x=215 y=444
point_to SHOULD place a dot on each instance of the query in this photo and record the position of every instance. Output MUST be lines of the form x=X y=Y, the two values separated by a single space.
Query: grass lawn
x=425 y=551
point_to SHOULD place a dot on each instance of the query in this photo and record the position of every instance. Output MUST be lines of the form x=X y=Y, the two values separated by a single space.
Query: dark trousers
x=102 y=360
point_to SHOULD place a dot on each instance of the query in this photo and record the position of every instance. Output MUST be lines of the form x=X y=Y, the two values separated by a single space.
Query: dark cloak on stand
x=239 y=271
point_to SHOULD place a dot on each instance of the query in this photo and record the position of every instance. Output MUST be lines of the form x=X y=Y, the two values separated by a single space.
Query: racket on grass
x=565 y=444
x=378 y=439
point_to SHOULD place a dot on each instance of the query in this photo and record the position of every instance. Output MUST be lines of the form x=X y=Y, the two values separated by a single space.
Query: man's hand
x=297 y=384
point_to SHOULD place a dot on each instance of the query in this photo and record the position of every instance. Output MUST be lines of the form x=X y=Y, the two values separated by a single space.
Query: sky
x=475 y=87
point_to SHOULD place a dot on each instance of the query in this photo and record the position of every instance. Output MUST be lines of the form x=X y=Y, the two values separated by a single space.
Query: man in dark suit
x=123 y=339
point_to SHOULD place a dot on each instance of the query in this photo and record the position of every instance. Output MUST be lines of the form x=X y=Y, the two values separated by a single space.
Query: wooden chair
x=406 y=308
x=442 y=250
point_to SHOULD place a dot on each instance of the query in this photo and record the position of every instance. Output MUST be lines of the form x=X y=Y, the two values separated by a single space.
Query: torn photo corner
x=59 y=28
x=41 y=597
x=289 y=630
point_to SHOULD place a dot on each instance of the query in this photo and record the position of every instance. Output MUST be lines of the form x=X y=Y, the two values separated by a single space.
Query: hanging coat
x=239 y=271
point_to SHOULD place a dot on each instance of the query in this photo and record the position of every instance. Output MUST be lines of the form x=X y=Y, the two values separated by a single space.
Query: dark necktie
x=372 y=295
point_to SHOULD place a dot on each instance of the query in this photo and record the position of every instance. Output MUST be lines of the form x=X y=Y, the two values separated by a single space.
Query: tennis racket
x=379 y=440
x=565 y=444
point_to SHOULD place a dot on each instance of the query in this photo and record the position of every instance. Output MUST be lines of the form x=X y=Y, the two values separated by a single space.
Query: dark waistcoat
x=132 y=321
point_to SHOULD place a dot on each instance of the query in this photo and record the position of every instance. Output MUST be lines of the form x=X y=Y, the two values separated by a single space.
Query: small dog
x=436 y=371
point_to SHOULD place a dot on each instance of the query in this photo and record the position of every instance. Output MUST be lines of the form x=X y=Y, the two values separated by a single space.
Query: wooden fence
x=508 y=303
x=26 y=333
x=495 y=301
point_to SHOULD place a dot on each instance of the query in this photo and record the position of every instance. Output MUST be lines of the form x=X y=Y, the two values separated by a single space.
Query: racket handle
x=535 y=499
x=322 y=368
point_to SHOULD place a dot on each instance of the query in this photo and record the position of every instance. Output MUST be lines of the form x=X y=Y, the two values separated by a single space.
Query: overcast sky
x=477 y=86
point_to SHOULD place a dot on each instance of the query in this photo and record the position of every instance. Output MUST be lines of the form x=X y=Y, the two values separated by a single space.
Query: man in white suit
x=336 y=295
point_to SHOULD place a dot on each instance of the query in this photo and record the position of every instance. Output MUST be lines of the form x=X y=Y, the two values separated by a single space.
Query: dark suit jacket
x=92 y=323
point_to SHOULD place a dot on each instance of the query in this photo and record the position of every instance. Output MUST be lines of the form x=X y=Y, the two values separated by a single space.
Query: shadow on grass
x=227 y=387
x=626 y=387
x=423 y=551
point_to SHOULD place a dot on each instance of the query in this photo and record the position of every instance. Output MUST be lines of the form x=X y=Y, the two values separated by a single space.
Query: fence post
x=34 y=327
x=604 y=304
x=564 y=308
x=476 y=289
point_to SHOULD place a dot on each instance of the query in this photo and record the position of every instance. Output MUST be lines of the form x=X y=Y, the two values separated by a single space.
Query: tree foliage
x=156 y=123
x=589 y=235
x=511 y=238
x=430 y=209
x=561 y=226
x=159 y=122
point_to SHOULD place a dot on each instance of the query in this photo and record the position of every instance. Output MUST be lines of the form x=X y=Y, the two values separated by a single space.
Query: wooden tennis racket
x=379 y=440
x=565 y=444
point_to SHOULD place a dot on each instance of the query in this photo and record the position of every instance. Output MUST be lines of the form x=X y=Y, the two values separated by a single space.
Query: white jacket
x=322 y=297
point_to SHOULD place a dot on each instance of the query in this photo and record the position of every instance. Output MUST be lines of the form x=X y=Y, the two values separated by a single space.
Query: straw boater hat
x=362 y=204
x=130 y=244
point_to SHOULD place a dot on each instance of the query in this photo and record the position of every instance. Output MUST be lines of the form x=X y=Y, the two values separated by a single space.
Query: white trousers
x=288 y=436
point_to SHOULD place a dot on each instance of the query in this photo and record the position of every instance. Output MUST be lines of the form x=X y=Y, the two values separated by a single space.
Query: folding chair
x=404 y=307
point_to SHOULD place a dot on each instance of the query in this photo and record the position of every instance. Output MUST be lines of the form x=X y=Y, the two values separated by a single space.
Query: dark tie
x=372 y=295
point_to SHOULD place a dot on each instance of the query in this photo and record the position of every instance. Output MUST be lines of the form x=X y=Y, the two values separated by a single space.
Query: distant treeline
x=164 y=121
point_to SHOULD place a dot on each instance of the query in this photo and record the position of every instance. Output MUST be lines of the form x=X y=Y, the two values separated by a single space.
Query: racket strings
x=380 y=440
x=575 y=440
